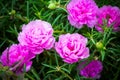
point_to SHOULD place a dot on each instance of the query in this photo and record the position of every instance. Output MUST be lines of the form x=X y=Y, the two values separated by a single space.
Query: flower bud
x=52 y=5
x=99 y=45
x=12 y=12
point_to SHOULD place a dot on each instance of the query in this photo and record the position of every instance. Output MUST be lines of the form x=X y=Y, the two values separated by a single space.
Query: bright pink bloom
x=111 y=15
x=37 y=36
x=72 y=47
x=91 y=70
x=16 y=56
x=82 y=12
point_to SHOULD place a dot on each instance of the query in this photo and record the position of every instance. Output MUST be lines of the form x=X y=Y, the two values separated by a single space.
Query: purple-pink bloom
x=72 y=47
x=37 y=36
x=82 y=12
x=91 y=70
x=111 y=15
x=16 y=56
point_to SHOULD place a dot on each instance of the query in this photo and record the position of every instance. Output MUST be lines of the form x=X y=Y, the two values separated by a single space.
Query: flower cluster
x=34 y=38
x=86 y=12
x=37 y=36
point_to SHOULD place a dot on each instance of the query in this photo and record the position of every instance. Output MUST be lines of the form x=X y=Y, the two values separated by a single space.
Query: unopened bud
x=12 y=12
x=52 y=5
x=99 y=45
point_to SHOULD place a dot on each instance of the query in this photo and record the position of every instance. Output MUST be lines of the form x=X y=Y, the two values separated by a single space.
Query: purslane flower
x=72 y=47
x=91 y=69
x=112 y=16
x=37 y=36
x=82 y=12
x=16 y=57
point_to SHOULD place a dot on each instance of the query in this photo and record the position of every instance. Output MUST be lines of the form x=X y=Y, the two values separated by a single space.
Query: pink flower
x=82 y=12
x=111 y=14
x=37 y=36
x=92 y=69
x=16 y=56
x=72 y=47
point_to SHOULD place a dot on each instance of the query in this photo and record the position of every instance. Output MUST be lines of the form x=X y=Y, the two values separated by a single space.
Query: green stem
x=58 y=31
x=35 y=74
x=66 y=74
x=29 y=76
x=92 y=40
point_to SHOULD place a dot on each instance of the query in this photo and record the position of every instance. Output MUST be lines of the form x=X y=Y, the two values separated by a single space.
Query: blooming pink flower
x=16 y=56
x=37 y=35
x=72 y=47
x=82 y=12
x=92 y=69
x=111 y=14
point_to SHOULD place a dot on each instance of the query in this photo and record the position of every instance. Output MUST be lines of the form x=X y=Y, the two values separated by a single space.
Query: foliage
x=49 y=65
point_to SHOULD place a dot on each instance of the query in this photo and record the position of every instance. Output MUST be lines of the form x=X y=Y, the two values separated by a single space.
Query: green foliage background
x=48 y=65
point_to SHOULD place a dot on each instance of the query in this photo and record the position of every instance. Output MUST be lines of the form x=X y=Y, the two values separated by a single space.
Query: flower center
x=70 y=46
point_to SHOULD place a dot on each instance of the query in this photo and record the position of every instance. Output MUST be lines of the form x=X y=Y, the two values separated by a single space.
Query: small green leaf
x=64 y=69
x=35 y=74
x=48 y=66
x=51 y=71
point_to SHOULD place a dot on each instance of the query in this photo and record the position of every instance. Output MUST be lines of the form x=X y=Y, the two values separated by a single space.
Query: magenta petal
x=82 y=12
x=111 y=14
x=16 y=56
x=37 y=36
x=72 y=47
x=91 y=70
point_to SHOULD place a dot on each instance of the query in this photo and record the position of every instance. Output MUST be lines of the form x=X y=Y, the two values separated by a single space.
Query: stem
x=29 y=76
x=28 y=9
x=66 y=74
x=35 y=74
x=92 y=40
x=58 y=31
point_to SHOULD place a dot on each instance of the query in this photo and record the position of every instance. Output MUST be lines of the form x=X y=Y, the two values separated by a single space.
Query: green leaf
x=35 y=74
x=51 y=71
x=64 y=69
x=56 y=19
x=48 y=66
x=56 y=59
